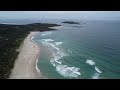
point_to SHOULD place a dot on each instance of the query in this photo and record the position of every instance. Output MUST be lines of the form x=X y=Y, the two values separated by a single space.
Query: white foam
x=38 y=70
x=53 y=64
x=56 y=54
x=75 y=70
x=98 y=70
x=58 y=43
x=70 y=51
x=96 y=76
x=90 y=62
x=65 y=71
x=32 y=38
x=53 y=46
x=59 y=62
x=47 y=40
x=46 y=33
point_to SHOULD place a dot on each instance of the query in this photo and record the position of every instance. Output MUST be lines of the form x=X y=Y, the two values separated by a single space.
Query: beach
x=25 y=65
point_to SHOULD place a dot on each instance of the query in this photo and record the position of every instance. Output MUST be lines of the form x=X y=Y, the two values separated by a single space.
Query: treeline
x=11 y=36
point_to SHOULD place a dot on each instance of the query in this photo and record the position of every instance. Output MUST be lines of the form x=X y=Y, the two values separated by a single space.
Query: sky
x=84 y=15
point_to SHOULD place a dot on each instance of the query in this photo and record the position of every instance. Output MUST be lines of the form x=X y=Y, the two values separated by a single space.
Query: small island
x=71 y=22
x=11 y=38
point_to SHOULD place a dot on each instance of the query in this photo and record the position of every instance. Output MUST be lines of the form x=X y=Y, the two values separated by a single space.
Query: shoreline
x=24 y=69
x=11 y=38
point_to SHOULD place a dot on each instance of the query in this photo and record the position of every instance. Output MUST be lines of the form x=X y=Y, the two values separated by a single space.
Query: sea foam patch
x=70 y=72
x=90 y=62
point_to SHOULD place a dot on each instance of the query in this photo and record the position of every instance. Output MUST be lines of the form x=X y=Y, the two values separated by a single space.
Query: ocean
x=89 y=50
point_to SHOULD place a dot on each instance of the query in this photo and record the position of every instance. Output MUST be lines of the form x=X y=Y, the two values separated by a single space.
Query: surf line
x=92 y=63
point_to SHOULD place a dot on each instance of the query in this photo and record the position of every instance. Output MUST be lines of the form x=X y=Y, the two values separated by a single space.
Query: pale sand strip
x=25 y=65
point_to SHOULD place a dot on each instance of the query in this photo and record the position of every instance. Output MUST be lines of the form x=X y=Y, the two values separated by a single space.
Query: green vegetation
x=11 y=36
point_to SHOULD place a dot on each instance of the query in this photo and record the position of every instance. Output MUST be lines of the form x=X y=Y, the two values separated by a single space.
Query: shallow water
x=88 y=51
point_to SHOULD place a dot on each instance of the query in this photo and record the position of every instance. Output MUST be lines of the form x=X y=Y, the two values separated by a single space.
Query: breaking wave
x=56 y=60
x=36 y=67
x=98 y=70
x=70 y=72
x=96 y=76
x=47 y=40
x=46 y=33
x=58 y=43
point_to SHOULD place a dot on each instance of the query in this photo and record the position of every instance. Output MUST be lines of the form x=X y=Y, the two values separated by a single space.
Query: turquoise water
x=90 y=50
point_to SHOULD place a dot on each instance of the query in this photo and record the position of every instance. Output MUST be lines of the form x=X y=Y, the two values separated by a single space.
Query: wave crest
x=98 y=70
x=96 y=76
x=46 y=33
x=58 y=43
x=65 y=71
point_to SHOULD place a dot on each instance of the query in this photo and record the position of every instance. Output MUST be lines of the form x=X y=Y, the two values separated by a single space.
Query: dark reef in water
x=11 y=36
x=71 y=22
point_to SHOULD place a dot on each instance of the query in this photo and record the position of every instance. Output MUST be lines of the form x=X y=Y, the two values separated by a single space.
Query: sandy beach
x=25 y=65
